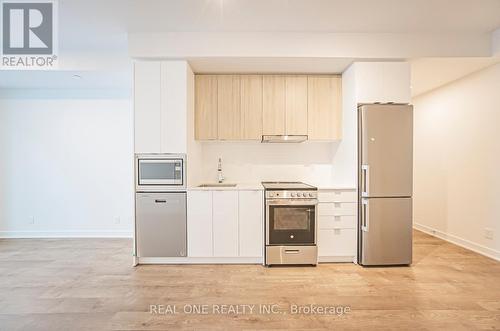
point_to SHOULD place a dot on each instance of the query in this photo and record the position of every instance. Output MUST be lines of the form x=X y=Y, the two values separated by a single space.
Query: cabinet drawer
x=337 y=196
x=337 y=222
x=337 y=208
x=337 y=242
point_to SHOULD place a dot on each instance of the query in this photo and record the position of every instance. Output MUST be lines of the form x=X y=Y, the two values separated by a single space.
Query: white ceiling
x=101 y=27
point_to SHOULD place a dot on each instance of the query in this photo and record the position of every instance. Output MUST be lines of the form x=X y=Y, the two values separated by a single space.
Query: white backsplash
x=310 y=162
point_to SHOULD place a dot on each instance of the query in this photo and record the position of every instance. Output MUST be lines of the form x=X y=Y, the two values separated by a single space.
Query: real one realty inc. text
x=248 y=309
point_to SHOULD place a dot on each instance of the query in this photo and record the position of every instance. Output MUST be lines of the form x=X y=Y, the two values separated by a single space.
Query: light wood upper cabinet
x=273 y=105
x=206 y=107
x=296 y=105
x=228 y=107
x=233 y=107
x=324 y=107
x=251 y=106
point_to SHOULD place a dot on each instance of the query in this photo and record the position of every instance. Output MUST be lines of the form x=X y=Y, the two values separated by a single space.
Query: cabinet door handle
x=160 y=201
x=292 y=251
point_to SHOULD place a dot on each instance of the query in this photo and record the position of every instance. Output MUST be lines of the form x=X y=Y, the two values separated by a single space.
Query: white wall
x=66 y=159
x=382 y=82
x=346 y=156
x=457 y=181
x=365 y=82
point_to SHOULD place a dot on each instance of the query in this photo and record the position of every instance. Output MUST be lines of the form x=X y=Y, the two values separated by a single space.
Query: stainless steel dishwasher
x=161 y=224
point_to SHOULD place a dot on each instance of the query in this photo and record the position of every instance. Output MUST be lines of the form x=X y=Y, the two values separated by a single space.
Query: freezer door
x=161 y=224
x=386 y=150
x=386 y=231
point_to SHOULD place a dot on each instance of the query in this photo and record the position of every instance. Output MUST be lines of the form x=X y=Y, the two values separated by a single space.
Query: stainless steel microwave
x=160 y=172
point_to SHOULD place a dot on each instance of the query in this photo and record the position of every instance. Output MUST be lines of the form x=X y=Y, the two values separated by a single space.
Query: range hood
x=284 y=138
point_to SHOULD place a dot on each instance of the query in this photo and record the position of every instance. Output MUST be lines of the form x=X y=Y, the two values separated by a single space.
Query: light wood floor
x=61 y=284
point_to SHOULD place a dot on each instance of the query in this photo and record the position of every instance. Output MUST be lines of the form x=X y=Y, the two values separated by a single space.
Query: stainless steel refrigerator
x=385 y=184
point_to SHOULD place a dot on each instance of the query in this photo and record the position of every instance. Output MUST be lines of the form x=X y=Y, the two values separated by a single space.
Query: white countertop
x=326 y=187
x=238 y=187
x=256 y=186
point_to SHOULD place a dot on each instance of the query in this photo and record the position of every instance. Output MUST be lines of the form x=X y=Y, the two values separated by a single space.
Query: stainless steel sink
x=217 y=185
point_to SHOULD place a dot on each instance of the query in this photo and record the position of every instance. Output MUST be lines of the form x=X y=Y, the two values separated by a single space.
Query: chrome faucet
x=220 y=177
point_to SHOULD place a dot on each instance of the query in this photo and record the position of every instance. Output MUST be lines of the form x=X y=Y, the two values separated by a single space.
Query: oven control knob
x=311 y=195
x=293 y=194
x=303 y=195
x=291 y=236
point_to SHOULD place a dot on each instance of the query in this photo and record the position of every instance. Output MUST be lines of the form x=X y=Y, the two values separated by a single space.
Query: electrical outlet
x=117 y=220
x=31 y=220
x=488 y=233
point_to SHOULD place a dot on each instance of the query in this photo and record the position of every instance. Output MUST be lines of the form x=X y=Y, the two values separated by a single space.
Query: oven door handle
x=290 y=202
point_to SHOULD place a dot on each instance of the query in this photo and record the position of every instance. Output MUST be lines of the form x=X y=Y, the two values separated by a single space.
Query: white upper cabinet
x=147 y=107
x=251 y=223
x=174 y=103
x=225 y=223
x=160 y=106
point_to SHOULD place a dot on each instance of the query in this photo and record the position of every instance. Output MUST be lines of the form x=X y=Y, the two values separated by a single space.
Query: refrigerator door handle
x=365 y=225
x=365 y=171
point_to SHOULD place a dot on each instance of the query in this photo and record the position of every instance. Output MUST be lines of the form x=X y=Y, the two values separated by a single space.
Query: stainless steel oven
x=160 y=172
x=291 y=222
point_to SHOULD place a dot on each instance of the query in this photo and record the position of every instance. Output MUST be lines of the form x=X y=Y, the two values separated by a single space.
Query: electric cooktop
x=288 y=186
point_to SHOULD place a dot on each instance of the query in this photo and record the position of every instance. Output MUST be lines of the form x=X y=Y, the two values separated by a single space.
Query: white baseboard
x=480 y=249
x=335 y=259
x=199 y=260
x=65 y=234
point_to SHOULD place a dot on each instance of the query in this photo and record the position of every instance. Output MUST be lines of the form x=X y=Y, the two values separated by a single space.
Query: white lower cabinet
x=251 y=223
x=225 y=224
x=337 y=242
x=337 y=224
x=199 y=224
